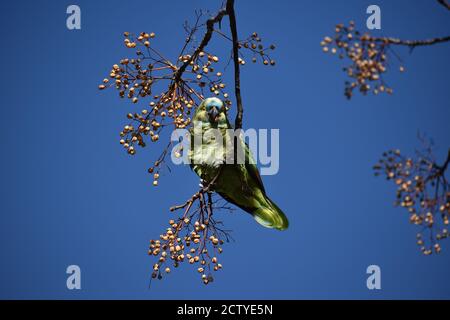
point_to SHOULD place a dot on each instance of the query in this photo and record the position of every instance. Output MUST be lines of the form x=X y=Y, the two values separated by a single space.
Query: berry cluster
x=368 y=56
x=259 y=51
x=194 y=238
x=423 y=190
x=137 y=78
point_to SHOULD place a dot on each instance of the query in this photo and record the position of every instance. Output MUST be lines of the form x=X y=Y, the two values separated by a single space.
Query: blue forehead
x=213 y=103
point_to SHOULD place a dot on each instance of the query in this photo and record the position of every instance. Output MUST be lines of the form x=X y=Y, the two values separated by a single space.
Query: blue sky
x=70 y=195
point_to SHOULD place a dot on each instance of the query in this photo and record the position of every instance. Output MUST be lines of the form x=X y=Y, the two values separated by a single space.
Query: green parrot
x=240 y=184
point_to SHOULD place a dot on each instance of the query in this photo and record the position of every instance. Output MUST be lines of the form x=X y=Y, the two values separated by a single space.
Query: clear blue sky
x=70 y=195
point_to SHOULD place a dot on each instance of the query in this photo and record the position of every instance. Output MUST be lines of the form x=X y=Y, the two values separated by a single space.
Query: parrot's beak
x=213 y=113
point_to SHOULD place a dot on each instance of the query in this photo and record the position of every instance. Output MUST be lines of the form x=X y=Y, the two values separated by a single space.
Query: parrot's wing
x=252 y=169
x=250 y=164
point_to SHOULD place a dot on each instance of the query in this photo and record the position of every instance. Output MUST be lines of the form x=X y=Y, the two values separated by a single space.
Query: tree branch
x=444 y=3
x=412 y=43
x=207 y=36
x=237 y=81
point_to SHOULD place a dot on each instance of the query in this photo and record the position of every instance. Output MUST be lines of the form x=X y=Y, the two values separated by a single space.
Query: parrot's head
x=211 y=110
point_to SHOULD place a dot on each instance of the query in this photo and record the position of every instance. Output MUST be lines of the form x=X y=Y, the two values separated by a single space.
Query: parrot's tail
x=271 y=216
